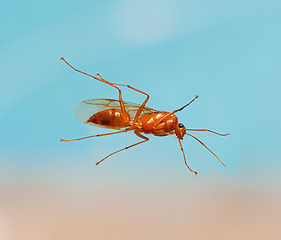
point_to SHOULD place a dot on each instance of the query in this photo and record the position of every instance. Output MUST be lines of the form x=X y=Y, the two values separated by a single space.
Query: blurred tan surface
x=31 y=213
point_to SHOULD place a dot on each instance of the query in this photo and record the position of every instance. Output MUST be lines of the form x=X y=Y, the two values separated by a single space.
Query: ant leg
x=98 y=135
x=186 y=104
x=169 y=114
x=99 y=78
x=138 y=134
x=185 y=158
x=143 y=104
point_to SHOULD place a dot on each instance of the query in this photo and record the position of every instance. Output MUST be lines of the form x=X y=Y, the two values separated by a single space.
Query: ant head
x=180 y=130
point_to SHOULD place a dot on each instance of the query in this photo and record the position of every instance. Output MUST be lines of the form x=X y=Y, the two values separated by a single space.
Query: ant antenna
x=206 y=147
x=207 y=130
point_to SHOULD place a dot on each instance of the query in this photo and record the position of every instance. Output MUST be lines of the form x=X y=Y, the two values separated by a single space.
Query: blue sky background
x=227 y=52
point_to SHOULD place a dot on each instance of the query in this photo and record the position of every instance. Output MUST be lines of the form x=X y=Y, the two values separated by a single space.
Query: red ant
x=125 y=116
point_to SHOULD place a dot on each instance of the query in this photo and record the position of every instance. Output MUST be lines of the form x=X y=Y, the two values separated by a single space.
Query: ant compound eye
x=181 y=125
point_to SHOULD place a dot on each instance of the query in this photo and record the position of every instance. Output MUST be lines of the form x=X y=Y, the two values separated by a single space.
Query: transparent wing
x=85 y=109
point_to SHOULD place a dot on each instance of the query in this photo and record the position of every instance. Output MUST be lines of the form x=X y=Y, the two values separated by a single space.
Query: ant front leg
x=185 y=158
x=171 y=113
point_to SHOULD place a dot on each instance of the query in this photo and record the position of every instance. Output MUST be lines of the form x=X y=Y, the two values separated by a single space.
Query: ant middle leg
x=143 y=104
x=138 y=134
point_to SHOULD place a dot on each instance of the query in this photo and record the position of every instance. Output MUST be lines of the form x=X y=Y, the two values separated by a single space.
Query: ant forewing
x=126 y=116
x=85 y=109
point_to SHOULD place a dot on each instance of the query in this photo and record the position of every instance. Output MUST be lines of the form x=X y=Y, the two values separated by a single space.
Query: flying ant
x=126 y=116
